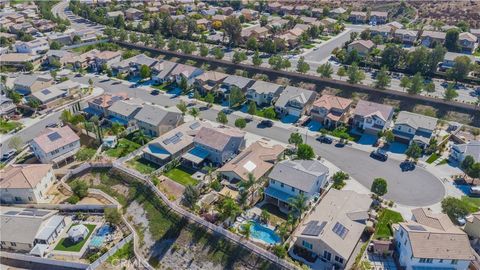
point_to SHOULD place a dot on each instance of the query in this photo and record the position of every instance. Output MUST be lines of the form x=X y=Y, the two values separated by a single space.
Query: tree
x=263 y=20
x=222 y=118
x=112 y=216
x=172 y=44
x=404 y=82
x=461 y=67
x=55 y=45
x=183 y=84
x=256 y=60
x=392 y=56
x=305 y=152
x=413 y=151
x=436 y=56
x=450 y=93
x=239 y=57
x=416 y=84
x=241 y=123
x=302 y=66
x=295 y=139
x=194 y=112
x=252 y=108
x=451 y=40
x=249 y=186
x=269 y=113
x=29 y=66
x=383 y=79
x=325 y=70
x=355 y=75
x=245 y=229
x=191 y=194
x=298 y=205
x=34 y=104
x=418 y=61
x=389 y=136
x=16 y=143
x=203 y=50
x=236 y=97
x=145 y=71
x=278 y=63
x=117 y=128
x=252 y=44
x=454 y=208
x=379 y=186
x=228 y=208
x=467 y=163
x=218 y=53
x=80 y=189
x=182 y=106
x=279 y=251
x=339 y=179
x=233 y=29
x=341 y=72
x=265 y=216
x=209 y=98
x=429 y=87
x=140 y=137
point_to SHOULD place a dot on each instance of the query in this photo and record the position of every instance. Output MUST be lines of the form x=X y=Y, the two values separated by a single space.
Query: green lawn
x=7 y=126
x=432 y=158
x=126 y=252
x=180 y=176
x=473 y=204
x=276 y=216
x=386 y=218
x=66 y=245
x=143 y=166
x=123 y=148
x=161 y=87
x=308 y=46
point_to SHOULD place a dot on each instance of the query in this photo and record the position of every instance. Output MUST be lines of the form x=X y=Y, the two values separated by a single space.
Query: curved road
x=416 y=188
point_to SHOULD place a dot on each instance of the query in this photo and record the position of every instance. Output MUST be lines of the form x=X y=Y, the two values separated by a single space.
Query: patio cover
x=39 y=250
x=278 y=194
x=228 y=192
x=196 y=155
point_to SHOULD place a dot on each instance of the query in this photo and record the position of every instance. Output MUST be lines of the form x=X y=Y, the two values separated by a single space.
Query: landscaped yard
x=181 y=176
x=142 y=165
x=67 y=245
x=432 y=158
x=276 y=216
x=473 y=204
x=386 y=218
x=123 y=148
x=7 y=126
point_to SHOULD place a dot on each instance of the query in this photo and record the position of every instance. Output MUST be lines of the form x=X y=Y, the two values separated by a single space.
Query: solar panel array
x=194 y=125
x=340 y=230
x=174 y=139
x=46 y=91
x=54 y=136
x=416 y=228
x=313 y=229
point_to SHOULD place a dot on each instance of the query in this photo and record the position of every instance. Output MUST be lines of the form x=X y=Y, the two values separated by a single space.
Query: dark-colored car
x=379 y=155
x=266 y=123
x=227 y=111
x=407 y=166
x=155 y=92
x=324 y=139
x=52 y=125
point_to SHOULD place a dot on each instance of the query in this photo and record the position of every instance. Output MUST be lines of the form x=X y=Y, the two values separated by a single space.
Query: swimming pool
x=263 y=233
x=99 y=237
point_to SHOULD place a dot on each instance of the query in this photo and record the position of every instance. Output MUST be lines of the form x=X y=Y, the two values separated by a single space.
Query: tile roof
x=217 y=138
x=467 y=36
x=433 y=34
x=126 y=108
x=303 y=96
x=23 y=175
x=106 y=100
x=329 y=102
x=156 y=115
x=262 y=87
x=367 y=108
x=212 y=76
x=48 y=141
x=366 y=43
x=300 y=174
x=239 y=81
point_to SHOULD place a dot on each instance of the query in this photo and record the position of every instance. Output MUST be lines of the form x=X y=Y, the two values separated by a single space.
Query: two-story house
x=27 y=84
x=431 y=241
x=385 y=31
x=332 y=231
x=363 y=47
x=26 y=183
x=35 y=46
x=357 y=17
x=263 y=93
x=289 y=178
x=155 y=120
x=472 y=225
x=331 y=110
x=133 y=14
x=235 y=81
x=411 y=127
x=468 y=42
x=372 y=117
x=105 y=58
x=186 y=72
x=378 y=17
x=295 y=101
x=430 y=38
x=124 y=111
x=55 y=145
x=458 y=152
x=405 y=36
x=216 y=145
x=99 y=105
x=209 y=81
x=449 y=59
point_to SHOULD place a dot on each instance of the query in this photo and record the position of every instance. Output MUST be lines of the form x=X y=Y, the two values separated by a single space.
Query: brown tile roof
x=257 y=159
x=467 y=36
x=367 y=108
x=48 y=144
x=217 y=138
x=427 y=218
x=23 y=175
x=329 y=102
x=107 y=99
x=212 y=76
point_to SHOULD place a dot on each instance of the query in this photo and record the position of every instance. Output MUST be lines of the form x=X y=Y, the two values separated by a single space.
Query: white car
x=8 y=155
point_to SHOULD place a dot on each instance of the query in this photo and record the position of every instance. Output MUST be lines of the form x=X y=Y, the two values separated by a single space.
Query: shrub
x=280 y=251
x=73 y=199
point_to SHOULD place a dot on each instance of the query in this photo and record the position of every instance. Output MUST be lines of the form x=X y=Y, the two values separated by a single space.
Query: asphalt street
x=414 y=188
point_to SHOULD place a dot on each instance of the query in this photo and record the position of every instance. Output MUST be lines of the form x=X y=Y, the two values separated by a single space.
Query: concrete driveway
x=415 y=188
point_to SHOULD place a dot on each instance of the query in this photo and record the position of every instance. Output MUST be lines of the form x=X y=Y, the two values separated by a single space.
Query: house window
x=293 y=189
x=13 y=244
x=327 y=255
x=273 y=181
x=405 y=243
x=401 y=233
x=30 y=198
x=3 y=242
x=307 y=244
x=454 y=261
x=18 y=199
x=424 y=260
x=339 y=259
x=440 y=261
x=282 y=185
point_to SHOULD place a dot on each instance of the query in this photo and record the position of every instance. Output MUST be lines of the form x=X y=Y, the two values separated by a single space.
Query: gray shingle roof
x=240 y=82
x=366 y=108
x=470 y=149
x=124 y=108
x=156 y=115
x=262 y=87
x=290 y=92
x=300 y=174
x=416 y=120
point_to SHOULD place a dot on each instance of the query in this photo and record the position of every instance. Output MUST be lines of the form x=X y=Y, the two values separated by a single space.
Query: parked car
x=379 y=155
x=8 y=155
x=227 y=111
x=324 y=139
x=52 y=125
x=266 y=123
x=155 y=92
x=407 y=166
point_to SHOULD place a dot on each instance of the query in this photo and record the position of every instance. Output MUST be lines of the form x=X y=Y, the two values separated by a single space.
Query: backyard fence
x=32 y=262
x=110 y=252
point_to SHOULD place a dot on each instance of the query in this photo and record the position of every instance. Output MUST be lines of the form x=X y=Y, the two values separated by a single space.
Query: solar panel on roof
x=11 y=213
x=340 y=230
x=313 y=229
x=25 y=213
x=416 y=228
x=45 y=91
x=194 y=125
x=54 y=136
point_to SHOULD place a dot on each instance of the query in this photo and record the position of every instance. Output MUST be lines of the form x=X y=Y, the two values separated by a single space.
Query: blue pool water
x=99 y=237
x=260 y=232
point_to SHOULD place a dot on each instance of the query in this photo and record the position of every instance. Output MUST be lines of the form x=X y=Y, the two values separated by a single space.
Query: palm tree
x=194 y=112
x=249 y=185
x=243 y=197
x=117 y=128
x=299 y=205
x=140 y=137
x=209 y=169
x=245 y=229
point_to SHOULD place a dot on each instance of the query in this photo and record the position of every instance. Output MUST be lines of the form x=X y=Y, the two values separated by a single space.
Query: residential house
x=217 y=145
x=263 y=93
x=55 y=145
x=406 y=36
x=231 y=81
x=363 y=47
x=105 y=58
x=258 y=32
x=357 y=17
x=124 y=111
x=337 y=12
x=133 y=14
x=449 y=59
x=155 y=120
x=62 y=38
x=468 y=42
x=458 y=152
x=185 y=72
x=26 y=183
x=29 y=83
x=372 y=117
x=431 y=241
x=430 y=38
x=20 y=60
x=203 y=23
x=295 y=101
x=476 y=32
x=250 y=14
x=411 y=127
x=331 y=110
x=7 y=107
x=472 y=225
x=308 y=20
x=209 y=12
x=59 y=56
x=287 y=10
x=277 y=22
x=168 y=9
x=35 y=46
x=385 y=31
x=114 y=14
x=209 y=81
x=301 y=9
x=164 y=69
x=218 y=18
x=378 y=17
x=290 y=178
x=133 y=64
x=51 y=95
x=29 y=230
x=99 y=105
x=274 y=7
x=257 y=159
x=172 y=144
x=317 y=12
x=395 y=25
x=332 y=231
